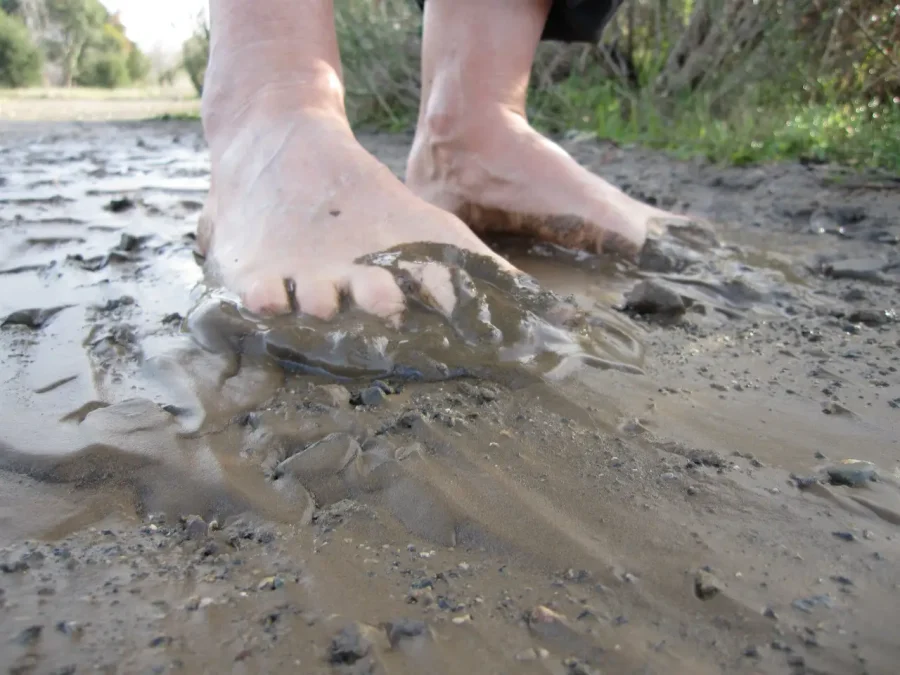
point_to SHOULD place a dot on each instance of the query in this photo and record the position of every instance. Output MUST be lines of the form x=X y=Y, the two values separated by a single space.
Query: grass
x=862 y=136
x=865 y=135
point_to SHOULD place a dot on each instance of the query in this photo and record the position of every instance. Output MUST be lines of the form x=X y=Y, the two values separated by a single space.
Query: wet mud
x=685 y=464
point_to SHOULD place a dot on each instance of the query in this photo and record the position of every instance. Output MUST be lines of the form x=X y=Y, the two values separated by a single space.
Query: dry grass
x=178 y=93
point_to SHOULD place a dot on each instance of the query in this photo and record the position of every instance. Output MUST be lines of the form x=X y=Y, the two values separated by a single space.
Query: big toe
x=435 y=285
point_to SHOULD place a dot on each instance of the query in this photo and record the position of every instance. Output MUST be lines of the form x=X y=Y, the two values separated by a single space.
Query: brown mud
x=617 y=469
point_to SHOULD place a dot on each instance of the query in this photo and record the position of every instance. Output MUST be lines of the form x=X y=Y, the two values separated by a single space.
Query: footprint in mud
x=494 y=319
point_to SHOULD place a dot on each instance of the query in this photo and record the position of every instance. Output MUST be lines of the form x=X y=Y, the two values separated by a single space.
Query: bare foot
x=296 y=200
x=499 y=175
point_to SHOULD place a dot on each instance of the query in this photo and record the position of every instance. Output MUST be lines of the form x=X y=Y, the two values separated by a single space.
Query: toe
x=374 y=290
x=267 y=296
x=318 y=298
x=435 y=284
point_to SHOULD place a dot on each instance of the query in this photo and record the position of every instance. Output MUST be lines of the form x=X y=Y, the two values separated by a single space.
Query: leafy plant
x=21 y=60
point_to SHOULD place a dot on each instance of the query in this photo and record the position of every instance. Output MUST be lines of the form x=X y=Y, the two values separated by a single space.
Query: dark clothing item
x=575 y=20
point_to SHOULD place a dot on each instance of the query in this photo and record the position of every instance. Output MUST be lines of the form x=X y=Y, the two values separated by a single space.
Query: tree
x=77 y=22
x=195 y=55
x=104 y=69
x=20 y=59
x=139 y=65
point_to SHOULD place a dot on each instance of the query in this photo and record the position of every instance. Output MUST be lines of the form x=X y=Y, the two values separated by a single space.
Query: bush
x=195 y=55
x=21 y=62
x=138 y=65
x=107 y=70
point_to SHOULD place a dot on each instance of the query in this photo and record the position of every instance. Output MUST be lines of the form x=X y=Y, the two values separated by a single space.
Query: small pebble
x=752 y=652
x=270 y=583
x=372 y=396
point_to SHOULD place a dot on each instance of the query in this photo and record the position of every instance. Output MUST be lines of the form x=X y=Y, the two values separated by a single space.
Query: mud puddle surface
x=624 y=468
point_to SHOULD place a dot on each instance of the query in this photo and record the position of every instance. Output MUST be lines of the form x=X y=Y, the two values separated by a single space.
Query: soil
x=642 y=470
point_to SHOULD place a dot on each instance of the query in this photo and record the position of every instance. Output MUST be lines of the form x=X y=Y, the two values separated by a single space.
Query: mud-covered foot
x=296 y=201
x=499 y=175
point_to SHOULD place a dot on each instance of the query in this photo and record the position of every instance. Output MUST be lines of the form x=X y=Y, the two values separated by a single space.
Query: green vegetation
x=20 y=59
x=77 y=42
x=736 y=81
x=195 y=54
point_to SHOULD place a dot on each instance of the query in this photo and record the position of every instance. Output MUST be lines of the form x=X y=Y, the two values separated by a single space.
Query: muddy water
x=622 y=468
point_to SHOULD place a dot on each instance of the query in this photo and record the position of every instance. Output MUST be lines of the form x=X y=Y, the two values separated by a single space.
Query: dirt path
x=92 y=109
x=652 y=484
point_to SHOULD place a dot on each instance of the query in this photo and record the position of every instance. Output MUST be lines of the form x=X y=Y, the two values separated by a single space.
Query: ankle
x=249 y=95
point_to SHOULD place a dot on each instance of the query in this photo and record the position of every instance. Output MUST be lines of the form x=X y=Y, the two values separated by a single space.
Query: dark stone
x=487 y=394
x=120 y=205
x=195 y=527
x=846 y=536
x=663 y=257
x=372 y=396
x=405 y=629
x=653 y=297
x=349 y=646
x=852 y=473
x=804 y=482
x=128 y=242
x=384 y=386
x=13 y=567
x=706 y=585
x=30 y=635
x=873 y=317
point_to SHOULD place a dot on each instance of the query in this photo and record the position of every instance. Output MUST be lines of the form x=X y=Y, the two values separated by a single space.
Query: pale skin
x=295 y=199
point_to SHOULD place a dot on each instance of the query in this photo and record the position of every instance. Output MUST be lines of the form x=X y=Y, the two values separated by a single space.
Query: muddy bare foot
x=500 y=175
x=296 y=201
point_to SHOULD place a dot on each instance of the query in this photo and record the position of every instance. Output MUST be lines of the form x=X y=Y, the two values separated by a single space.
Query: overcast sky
x=158 y=24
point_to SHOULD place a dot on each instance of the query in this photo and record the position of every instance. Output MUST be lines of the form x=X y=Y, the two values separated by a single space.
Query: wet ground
x=626 y=469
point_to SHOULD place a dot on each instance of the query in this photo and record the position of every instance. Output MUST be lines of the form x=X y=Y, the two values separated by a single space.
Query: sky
x=158 y=24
